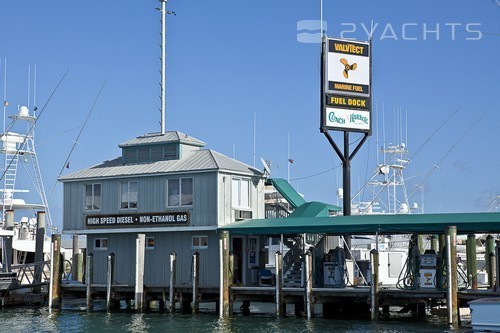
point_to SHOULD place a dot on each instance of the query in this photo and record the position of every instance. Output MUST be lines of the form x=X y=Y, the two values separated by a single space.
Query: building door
x=238 y=255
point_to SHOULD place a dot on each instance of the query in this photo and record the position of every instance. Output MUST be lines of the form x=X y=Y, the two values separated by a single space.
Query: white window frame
x=93 y=197
x=129 y=201
x=180 y=194
x=236 y=193
x=199 y=241
x=100 y=247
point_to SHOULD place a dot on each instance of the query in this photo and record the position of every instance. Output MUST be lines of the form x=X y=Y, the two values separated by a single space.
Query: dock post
x=374 y=262
x=492 y=271
x=471 y=260
x=280 y=306
x=39 y=240
x=111 y=264
x=451 y=275
x=489 y=248
x=55 y=269
x=225 y=284
x=195 y=306
x=140 y=245
x=9 y=225
x=89 y=277
x=75 y=273
x=434 y=244
x=171 y=293
x=309 y=285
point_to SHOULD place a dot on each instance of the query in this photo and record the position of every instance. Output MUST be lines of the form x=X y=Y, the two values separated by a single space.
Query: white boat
x=485 y=314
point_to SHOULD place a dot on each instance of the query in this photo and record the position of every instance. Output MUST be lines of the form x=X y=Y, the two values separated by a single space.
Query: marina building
x=177 y=193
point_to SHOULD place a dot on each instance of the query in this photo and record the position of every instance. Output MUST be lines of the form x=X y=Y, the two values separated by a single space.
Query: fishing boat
x=19 y=207
x=484 y=314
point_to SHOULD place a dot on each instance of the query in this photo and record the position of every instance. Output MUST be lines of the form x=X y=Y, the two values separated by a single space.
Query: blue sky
x=229 y=61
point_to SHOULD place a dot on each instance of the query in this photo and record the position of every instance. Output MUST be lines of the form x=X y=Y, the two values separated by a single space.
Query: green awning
x=370 y=224
x=287 y=191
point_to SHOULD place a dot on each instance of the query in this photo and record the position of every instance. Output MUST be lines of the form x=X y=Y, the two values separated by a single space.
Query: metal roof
x=168 y=137
x=194 y=161
x=370 y=224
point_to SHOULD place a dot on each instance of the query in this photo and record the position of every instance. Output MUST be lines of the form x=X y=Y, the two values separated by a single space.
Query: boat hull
x=485 y=314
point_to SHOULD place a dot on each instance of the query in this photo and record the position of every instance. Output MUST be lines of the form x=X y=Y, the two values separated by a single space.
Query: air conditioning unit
x=243 y=214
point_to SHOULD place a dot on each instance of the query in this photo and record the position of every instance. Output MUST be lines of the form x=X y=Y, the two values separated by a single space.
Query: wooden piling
x=434 y=244
x=471 y=260
x=374 y=262
x=195 y=305
x=140 y=245
x=9 y=225
x=225 y=284
x=309 y=285
x=56 y=273
x=280 y=306
x=489 y=248
x=109 y=281
x=39 y=240
x=451 y=276
x=171 y=295
x=89 y=277
x=492 y=271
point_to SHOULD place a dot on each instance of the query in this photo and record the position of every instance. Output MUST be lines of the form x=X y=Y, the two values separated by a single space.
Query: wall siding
x=157 y=260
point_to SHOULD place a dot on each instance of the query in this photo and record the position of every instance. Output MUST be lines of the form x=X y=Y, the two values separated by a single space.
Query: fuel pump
x=335 y=269
x=427 y=270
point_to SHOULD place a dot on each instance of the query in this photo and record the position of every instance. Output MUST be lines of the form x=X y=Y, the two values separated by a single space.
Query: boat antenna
x=66 y=162
x=29 y=84
x=162 y=58
x=5 y=103
x=34 y=95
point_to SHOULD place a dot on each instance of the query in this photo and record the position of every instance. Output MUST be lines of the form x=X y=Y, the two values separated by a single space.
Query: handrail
x=26 y=273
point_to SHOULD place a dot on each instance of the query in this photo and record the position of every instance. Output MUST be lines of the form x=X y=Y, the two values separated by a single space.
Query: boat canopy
x=370 y=224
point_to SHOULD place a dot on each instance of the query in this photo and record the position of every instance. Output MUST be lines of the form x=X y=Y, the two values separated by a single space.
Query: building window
x=100 y=244
x=240 y=189
x=93 y=197
x=150 y=243
x=180 y=192
x=199 y=242
x=129 y=195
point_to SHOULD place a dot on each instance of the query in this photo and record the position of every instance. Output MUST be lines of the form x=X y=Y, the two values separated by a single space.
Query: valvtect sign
x=347 y=85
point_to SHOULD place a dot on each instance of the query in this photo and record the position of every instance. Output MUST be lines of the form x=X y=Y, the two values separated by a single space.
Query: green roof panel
x=287 y=191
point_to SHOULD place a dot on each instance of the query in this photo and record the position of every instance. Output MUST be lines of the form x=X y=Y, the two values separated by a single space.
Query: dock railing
x=26 y=273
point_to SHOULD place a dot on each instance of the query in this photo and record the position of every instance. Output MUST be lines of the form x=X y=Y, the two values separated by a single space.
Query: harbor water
x=77 y=319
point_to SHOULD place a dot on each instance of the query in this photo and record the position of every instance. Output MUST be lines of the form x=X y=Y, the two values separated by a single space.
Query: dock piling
x=89 y=276
x=451 y=276
x=56 y=273
x=309 y=285
x=471 y=260
x=195 y=306
x=9 y=225
x=140 y=244
x=280 y=306
x=171 y=295
x=374 y=262
x=39 y=240
x=225 y=284
x=492 y=271
x=109 y=282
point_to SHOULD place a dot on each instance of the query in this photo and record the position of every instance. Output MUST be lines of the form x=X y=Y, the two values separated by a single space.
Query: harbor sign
x=346 y=92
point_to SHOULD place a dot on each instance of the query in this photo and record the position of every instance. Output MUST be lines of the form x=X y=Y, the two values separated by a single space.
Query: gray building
x=174 y=191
